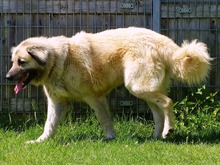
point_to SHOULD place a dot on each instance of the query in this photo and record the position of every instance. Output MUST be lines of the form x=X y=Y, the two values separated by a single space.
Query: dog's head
x=28 y=61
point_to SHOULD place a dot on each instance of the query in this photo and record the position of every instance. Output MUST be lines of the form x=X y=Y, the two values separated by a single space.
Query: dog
x=86 y=67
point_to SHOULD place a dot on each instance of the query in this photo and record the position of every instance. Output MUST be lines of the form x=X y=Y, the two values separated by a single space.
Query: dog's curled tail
x=191 y=62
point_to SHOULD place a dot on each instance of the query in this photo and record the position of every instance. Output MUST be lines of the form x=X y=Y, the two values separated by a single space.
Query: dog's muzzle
x=9 y=77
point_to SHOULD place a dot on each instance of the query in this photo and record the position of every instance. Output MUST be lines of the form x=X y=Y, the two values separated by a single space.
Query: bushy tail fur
x=191 y=62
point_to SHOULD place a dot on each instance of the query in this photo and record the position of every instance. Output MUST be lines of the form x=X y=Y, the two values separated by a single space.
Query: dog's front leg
x=101 y=108
x=54 y=113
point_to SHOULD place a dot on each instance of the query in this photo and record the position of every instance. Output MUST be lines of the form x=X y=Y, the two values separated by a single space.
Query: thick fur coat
x=86 y=67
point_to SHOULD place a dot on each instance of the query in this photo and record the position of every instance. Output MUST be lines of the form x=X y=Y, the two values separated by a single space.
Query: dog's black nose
x=8 y=76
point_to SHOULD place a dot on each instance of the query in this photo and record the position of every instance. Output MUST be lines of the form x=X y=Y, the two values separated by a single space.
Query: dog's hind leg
x=163 y=104
x=162 y=109
x=149 y=82
x=101 y=108
x=158 y=116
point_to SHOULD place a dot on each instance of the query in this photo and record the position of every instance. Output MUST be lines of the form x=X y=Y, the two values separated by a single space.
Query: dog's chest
x=57 y=89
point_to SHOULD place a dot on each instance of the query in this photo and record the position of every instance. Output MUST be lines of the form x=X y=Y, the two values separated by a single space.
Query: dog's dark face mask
x=27 y=65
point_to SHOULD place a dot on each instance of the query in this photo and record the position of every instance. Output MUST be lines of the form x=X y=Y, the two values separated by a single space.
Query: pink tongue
x=18 y=87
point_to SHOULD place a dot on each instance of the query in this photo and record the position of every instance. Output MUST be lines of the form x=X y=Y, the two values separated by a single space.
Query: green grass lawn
x=196 y=140
x=82 y=143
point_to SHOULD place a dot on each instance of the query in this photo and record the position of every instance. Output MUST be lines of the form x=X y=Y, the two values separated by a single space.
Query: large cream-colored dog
x=87 y=66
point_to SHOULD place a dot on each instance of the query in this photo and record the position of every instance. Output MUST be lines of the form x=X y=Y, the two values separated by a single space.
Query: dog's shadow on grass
x=72 y=138
x=98 y=136
x=184 y=138
x=212 y=138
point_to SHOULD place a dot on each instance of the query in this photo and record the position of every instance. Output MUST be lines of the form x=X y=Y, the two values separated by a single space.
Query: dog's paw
x=110 y=135
x=168 y=133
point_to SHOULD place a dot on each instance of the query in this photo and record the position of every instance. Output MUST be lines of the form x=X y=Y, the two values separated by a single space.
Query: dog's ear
x=39 y=54
x=12 y=49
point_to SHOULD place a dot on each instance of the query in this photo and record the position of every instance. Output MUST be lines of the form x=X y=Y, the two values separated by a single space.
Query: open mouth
x=24 y=81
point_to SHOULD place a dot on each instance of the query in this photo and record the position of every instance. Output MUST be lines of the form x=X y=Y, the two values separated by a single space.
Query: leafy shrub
x=198 y=116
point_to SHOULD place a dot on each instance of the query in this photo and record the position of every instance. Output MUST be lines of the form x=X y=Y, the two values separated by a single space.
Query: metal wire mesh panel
x=21 y=19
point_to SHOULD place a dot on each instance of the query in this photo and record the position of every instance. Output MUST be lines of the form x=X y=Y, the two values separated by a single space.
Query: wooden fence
x=188 y=20
x=180 y=19
x=21 y=19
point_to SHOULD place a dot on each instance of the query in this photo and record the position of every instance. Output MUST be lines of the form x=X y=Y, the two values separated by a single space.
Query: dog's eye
x=21 y=61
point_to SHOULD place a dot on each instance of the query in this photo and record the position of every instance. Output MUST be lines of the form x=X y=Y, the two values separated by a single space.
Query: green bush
x=198 y=116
